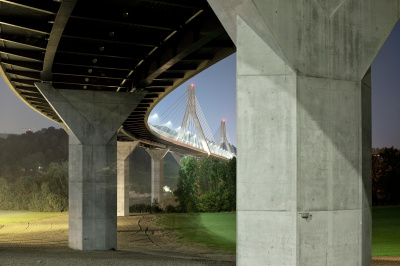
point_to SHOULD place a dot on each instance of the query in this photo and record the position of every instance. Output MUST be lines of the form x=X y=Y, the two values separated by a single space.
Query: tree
x=206 y=185
x=30 y=153
x=386 y=176
x=186 y=187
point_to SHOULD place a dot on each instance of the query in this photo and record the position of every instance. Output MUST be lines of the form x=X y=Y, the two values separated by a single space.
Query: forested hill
x=31 y=153
x=3 y=135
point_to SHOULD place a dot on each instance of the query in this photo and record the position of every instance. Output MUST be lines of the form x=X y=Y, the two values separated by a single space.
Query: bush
x=206 y=185
x=49 y=192
x=139 y=208
x=143 y=208
x=170 y=209
x=210 y=202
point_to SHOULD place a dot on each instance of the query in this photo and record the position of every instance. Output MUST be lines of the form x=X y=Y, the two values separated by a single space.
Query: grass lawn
x=214 y=230
x=386 y=231
x=218 y=230
x=9 y=217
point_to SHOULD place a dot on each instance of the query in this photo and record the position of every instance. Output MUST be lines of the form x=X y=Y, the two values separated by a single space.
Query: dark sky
x=216 y=92
x=386 y=93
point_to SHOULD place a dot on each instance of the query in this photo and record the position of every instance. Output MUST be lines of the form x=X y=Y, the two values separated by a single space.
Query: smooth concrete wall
x=304 y=127
x=267 y=148
x=124 y=150
x=92 y=118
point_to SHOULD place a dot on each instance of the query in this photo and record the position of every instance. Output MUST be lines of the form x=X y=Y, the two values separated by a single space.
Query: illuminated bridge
x=98 y=68
x=303 y=108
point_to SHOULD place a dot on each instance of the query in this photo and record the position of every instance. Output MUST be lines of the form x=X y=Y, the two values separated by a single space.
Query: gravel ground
x=140 y=242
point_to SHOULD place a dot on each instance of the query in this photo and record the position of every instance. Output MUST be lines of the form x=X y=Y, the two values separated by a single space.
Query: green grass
x=218 y=230
x=386 y=231
x=9 y=217
x=214 y=230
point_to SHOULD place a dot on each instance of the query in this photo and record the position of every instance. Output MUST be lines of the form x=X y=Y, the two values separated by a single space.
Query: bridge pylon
x=191 y=113
x=222 y=137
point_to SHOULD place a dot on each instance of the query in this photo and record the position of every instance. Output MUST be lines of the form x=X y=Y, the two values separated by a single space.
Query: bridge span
x=303 y=107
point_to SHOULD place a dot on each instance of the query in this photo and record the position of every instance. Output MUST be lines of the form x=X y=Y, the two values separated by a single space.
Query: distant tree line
x=206 y=185
x=34 y=171
x=34 y=176
x=386 y=176
x=30 y=154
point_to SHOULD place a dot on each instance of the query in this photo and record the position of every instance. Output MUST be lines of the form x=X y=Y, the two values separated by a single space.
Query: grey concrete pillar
x=124 y=149
x=304 y=127
x=92 y=118
x=157 y=174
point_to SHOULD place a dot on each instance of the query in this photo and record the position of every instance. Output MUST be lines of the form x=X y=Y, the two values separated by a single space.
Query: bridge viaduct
x=303 y=107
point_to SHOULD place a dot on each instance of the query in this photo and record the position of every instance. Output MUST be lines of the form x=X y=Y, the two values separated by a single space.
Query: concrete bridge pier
x=92 y=118
x=157 y=174
x=124 y=150
x=304 y=127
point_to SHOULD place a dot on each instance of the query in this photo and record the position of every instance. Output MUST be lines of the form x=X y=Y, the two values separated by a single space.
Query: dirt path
x=140 y=242
x=383 y=261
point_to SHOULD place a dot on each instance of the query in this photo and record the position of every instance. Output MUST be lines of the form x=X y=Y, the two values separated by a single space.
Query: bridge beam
x=92 y=119
x=157 y=174
x=304 y=127
x=124 y=150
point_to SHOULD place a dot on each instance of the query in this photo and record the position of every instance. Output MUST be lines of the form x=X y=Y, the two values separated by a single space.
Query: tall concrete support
x=157 y=174
x=92 y=118
x=304 y=127
x=124 y=149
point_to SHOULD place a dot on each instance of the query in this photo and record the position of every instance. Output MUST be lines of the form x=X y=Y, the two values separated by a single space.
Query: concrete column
x=157 y=174
x=304 y=127
x=92 y=118
x=124 y=150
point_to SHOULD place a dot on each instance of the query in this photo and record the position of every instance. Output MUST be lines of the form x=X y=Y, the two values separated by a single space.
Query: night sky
x=216 y=92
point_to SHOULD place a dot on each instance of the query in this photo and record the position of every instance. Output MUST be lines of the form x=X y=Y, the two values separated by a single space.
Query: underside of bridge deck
x=108 y=45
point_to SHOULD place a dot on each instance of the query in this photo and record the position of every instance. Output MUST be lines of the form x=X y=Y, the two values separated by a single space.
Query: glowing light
x=223 y=120
x=192 y=85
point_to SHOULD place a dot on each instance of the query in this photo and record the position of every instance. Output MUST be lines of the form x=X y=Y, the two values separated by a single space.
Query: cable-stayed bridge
x=183 y=124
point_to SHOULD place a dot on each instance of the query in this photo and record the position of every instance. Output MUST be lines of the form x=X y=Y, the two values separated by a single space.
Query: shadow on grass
x=216 y=231
x=386 y=231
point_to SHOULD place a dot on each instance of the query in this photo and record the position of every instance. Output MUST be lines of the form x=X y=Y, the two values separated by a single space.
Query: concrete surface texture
x=157 y=174
x=124 y=150
x=92 y=118
x=304 y=127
